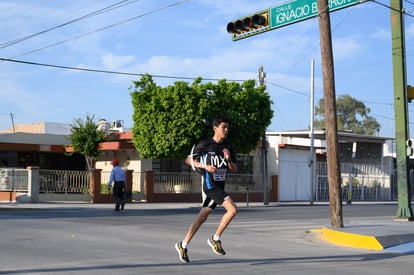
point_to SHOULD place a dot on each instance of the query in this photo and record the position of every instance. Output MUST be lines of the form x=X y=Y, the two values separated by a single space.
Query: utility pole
x=334 y=173
x=400 y=105
x=12 y=120
x=312 y=134
x=262 y=76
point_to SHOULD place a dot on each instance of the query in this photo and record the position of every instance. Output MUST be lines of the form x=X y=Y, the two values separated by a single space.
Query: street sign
x=300 y=10
x=282 y=15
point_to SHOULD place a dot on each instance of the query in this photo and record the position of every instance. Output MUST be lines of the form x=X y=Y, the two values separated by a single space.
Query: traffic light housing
x=410 y=93
x=410 y=150
x=249 y=25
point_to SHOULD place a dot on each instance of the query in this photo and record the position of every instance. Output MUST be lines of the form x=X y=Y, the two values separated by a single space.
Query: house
x=38 y=144
x=301 y=166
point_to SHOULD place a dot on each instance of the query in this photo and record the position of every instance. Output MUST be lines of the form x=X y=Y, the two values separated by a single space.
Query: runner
x=212 y=157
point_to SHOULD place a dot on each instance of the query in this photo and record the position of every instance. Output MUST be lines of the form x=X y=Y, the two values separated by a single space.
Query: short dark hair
x=218 y=120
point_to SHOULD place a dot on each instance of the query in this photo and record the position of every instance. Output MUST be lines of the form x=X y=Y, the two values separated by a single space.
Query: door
x=294 y=175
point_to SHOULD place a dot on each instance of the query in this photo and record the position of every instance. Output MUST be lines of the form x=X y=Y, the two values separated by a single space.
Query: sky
x=179 y=40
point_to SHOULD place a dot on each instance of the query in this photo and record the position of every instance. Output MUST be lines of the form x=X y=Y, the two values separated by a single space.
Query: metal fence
x=137 y=182
x=190 y=182
x=173 y=183
x=359 y=182
x=61 y=181
x=13 y=179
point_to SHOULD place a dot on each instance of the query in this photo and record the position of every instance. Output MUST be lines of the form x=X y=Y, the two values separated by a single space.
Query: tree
x=86 y=138
x=352 y=115
x=168 y=121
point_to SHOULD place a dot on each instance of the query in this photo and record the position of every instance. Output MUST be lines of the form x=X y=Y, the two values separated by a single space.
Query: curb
x=349 y=239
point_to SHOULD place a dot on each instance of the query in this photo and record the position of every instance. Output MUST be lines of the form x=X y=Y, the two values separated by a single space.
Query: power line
x=307 y=95
x=350 y=10
x=162 y=76
x=106 y=9
x=409 y=2
x=103 y=28
x=107 y=71
x=140 y=74
x=405 y=12
x=365 y=101
x=288 y=89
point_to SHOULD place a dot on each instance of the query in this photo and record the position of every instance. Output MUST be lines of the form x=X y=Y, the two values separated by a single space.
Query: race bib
x=220 y=175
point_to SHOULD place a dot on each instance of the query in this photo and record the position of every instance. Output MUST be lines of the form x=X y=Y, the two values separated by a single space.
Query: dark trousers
x=118 y=193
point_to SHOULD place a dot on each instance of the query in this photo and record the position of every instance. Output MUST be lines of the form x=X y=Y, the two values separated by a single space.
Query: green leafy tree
x=168 y=121
x=86 y=138
x=352 y=115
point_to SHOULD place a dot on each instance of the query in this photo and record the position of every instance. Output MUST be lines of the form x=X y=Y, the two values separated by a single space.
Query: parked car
x=13 y=179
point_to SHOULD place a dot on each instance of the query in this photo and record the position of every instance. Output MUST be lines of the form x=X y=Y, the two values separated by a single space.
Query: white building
x=297 y=162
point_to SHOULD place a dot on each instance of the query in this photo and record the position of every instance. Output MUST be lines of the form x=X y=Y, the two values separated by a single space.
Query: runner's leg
x=200 y=219
x=231 y=211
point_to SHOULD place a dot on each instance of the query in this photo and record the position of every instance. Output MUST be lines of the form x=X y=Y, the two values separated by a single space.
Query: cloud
x=409 y=31
x=111 y=61
x=382 y=34
x=347 y=48
x=237 y=8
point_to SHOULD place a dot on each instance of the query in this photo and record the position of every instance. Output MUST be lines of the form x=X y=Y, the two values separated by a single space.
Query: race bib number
x=220 y=175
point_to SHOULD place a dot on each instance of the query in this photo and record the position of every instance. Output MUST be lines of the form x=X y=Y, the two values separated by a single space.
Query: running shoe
x=216 y=246
x=182 y=252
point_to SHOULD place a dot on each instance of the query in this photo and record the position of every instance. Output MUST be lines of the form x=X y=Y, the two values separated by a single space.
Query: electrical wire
x=107 y=71
x=288 y=89
x=103 y=10
x=164 y=76
x=103 y=28
x=405 y=12
x=158 y=76
x=127 y=73
x=350 y=10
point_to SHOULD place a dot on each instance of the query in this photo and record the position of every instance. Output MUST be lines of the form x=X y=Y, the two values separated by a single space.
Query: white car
x=13 y=179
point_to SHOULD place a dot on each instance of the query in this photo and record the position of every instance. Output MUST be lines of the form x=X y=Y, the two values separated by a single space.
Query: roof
x=57 y=143
x=30 y=138
x=343 y=136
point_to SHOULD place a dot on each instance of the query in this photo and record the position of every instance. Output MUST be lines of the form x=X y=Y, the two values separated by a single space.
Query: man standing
x=212 y=157
x=118 y=177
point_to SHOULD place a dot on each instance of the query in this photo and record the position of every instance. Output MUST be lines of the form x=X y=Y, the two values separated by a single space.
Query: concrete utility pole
x=400 y=105
x=262 y=76
x=312 y=133
x=334 y=173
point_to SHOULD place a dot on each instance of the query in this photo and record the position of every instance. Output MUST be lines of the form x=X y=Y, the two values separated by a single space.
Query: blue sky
x=176 y=38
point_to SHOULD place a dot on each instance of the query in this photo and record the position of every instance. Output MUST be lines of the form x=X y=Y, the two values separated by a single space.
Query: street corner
x=346 y=239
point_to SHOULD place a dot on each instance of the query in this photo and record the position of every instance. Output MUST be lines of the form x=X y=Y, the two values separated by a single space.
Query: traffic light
x=249 y=25
x=410 y=150
x=410 y=93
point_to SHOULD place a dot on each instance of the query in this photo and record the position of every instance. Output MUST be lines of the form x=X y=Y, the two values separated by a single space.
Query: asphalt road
x=93 y=239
